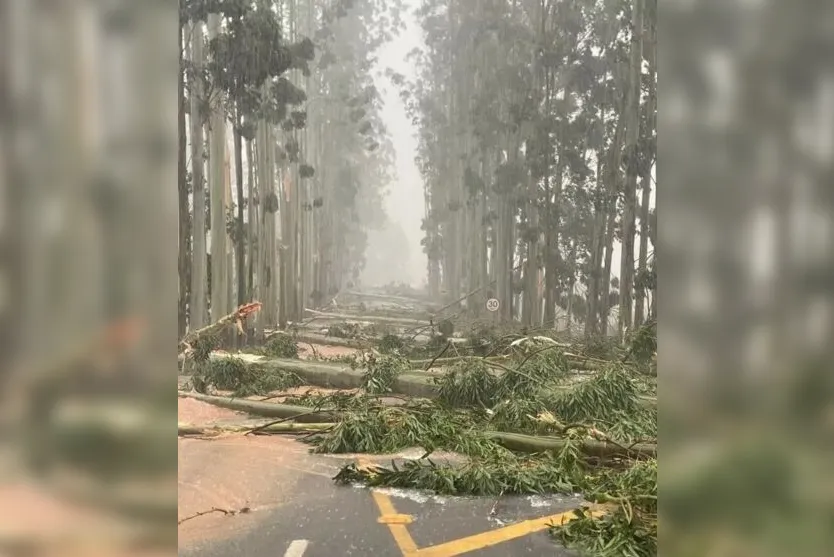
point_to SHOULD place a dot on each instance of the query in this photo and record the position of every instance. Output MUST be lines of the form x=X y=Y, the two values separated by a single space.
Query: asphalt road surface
x=321 y=519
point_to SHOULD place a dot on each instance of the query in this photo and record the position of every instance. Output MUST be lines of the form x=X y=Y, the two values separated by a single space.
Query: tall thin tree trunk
x=643 y=257
x=230 y=244
x=197 y=313
x=553 y=190
x=240 y=240
x=252 y=229
x=571 y=282
x=632 y=171
x=183 y=262
x=646 y=179
x=532 y=299
x=217 y=187
x=610 y=226
x=592 y=314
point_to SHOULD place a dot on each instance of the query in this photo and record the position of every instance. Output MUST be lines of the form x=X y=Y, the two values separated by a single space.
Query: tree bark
x=240 y=240
x=219 y=269
x=183 y=262
x=592 y=314
x=625 y=321
x=645 y=229
x=610 y=227
x=252 y=228
x=198 y=314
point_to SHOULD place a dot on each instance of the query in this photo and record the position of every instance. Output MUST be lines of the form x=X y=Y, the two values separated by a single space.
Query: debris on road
x=526 y=413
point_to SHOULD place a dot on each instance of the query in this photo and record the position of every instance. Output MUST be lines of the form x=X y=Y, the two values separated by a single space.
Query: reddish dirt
x=192 y=411
x=234 y=473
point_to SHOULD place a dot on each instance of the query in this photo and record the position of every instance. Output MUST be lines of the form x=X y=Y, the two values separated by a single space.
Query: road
x=294 y=509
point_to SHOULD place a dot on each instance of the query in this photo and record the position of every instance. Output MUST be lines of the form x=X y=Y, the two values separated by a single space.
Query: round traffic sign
x=492 y=304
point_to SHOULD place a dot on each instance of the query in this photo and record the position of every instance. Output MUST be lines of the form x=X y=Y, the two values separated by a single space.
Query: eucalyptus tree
x=645 y=282
x=250 y=52
x=184 y=218
x=294 y=79
x=197 y=300
x=348 y=144
x=521 y=109
x=632 y=162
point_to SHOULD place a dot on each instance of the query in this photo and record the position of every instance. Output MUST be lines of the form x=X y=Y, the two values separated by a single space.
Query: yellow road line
x=397 y=525
x=500 y=535
x=389 y=516
x=395 y=522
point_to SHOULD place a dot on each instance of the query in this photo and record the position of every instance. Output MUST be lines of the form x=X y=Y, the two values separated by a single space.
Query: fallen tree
x=513 y=441
x=300 y=414
x=408 y=381
x=265 y=428
x=325 y=340
x=234 y=319
x=603 y=449
x=514 y=419
x=370 y=318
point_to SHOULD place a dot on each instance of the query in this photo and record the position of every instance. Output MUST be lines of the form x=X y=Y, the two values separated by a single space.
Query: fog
x=394 y=253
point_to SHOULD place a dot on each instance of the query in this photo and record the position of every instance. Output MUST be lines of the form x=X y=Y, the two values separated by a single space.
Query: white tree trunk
x=198 y=314
x=217 y=186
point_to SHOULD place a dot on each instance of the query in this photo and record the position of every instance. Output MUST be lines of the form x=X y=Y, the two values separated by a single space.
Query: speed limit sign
x=492 y=304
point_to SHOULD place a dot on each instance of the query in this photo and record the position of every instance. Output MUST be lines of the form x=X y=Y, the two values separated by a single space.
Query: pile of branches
x=241 y=378
x=519 y=431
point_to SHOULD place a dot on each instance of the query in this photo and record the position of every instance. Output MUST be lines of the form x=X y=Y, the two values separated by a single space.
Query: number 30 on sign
x=492 y=304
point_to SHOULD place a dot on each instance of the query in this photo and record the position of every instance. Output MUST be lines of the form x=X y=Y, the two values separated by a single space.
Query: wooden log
x=300 y=414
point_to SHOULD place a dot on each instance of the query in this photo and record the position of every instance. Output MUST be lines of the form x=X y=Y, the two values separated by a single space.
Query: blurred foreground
x=745 y=365
x=89 y=226
x=88 y=457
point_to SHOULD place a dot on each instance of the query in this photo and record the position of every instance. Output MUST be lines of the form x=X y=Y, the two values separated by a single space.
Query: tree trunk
x=592 y=314
x=217 y=187
x=183 y=262
x=571 y=282
x=197 y=314
x=231 y=267
x=611 y=178
x=252 y=216
x=610 y=227
x=640 y=293
x=270 y=249
x=625 y=321
x=553 y=199
x=240 y=240
x=651 y=106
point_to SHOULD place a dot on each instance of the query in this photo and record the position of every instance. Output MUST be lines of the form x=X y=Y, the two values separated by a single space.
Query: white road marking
x=297 y=548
